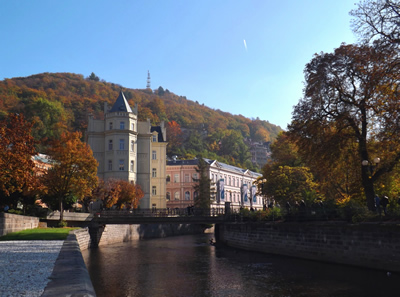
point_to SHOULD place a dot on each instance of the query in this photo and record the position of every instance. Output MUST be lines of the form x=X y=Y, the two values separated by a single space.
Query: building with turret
x=130 y=150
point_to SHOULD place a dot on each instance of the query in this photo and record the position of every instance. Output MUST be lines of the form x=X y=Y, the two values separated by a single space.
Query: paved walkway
x=52 y=268
x=26 y=266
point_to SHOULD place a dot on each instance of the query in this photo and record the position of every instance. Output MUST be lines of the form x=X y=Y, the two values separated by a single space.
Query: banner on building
x=253 y=192
x=245 y=194
x=220 y=190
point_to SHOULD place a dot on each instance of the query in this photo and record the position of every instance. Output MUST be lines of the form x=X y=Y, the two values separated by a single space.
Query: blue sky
x=240 y=56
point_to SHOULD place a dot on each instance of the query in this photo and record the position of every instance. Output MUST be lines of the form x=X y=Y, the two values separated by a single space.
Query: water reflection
x=189 y=266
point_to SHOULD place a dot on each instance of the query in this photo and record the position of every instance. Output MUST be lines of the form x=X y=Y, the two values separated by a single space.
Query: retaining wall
x=13 y=223
x=369 y=245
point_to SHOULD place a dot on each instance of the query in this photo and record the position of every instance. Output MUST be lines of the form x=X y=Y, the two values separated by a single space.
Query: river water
x=189 y=266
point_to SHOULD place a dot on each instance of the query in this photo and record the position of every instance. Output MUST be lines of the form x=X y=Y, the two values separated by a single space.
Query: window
x=194 y=176
x=229 y=181
x=110 y=126
x=176 y=178
x=168 y=178
x=133 y=127
x=154 y=155
x=195 y=194
x=154 y=172
x=154 y=190
x=132 y=166
x=109 y=165
x=187 y=177
x=187 y=195
x=122 y=144
x=121 y=165
x=177 y=196
x=154 y=138
x=132 y=145
x=168 y=196
x=122 y=125
x=110 y=145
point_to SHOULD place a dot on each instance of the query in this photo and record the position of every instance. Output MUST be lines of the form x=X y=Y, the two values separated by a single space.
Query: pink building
x=180 y=175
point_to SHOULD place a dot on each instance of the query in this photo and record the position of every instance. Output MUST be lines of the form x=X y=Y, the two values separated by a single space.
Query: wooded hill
x=63 y=101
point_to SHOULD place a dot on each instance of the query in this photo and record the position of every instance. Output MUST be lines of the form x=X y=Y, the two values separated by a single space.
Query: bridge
x=162 y=216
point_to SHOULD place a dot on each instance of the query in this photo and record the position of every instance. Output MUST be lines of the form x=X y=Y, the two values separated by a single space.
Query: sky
x=240 y=56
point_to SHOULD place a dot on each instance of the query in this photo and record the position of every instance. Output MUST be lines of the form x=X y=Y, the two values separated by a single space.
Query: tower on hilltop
x=148 y=80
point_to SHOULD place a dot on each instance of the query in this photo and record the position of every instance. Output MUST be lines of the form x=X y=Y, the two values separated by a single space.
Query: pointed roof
x=121 y=104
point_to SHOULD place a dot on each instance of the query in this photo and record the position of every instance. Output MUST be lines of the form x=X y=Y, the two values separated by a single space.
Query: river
x=188 y=266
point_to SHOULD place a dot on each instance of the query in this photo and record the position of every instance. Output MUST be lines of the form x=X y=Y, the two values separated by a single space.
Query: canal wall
x=371 y=245
x=95 y=236
x=13 y=223
x=70 y=276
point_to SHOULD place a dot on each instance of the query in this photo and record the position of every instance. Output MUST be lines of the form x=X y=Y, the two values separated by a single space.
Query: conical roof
x=121 y=104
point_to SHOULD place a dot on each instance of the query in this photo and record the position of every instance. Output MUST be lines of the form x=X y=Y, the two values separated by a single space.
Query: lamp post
x=264 y=197
x=368 y=180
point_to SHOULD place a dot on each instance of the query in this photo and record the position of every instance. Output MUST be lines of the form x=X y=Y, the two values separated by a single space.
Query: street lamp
x=371 y=167
x=264 y=197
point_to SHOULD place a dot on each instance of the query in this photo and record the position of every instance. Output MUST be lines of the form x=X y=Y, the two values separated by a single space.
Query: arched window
x=132 y=166
x=187 y=195
x=168 y=196
x=177 y=196
x=168 y=178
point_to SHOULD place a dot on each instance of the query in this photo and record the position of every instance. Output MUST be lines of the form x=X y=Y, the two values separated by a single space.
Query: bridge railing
x=163 y=212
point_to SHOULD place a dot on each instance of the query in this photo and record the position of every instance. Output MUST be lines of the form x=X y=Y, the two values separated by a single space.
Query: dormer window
x=122 y=125
x=155 y=138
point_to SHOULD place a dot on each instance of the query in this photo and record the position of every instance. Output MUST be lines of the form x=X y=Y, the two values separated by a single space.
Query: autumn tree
x=377 y=19
x=175 y=137
x=17 y=147
x=73 y=171
x=108 y=191
x=351 y=102
x=130 y=194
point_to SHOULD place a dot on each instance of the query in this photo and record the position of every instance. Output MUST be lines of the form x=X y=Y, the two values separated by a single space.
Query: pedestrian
x=378 y=204
x=384 y=202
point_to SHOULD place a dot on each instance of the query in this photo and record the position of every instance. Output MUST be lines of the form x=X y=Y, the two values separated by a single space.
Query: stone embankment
x=372 y=245
x=13 y=223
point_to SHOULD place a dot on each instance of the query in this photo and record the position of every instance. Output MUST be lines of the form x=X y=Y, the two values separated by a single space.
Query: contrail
x=245 y=45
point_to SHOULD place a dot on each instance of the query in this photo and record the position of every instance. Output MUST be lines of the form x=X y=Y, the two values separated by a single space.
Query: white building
x=231 y=184
x=130 y=150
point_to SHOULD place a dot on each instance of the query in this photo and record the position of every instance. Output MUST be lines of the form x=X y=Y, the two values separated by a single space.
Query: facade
x=260 y=152
x=230 y=184
x=124 y=148
x=42 y=164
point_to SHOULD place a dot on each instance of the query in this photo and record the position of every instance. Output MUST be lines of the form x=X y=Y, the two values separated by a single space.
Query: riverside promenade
x=43 y=268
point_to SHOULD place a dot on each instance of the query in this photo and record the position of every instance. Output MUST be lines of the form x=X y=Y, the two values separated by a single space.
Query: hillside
x=58 y=101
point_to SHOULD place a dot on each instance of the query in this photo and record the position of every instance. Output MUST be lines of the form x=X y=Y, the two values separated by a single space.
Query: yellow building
x=130 y=150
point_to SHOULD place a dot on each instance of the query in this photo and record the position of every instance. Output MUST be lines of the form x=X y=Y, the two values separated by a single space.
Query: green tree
x=289 y=184
x=203 y=186
x=93 y=77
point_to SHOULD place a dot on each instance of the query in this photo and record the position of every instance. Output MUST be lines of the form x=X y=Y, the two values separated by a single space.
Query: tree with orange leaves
x=130 y=195
x=74 y=170
x=175 y=137
x=120 y=193
x=17 y=146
